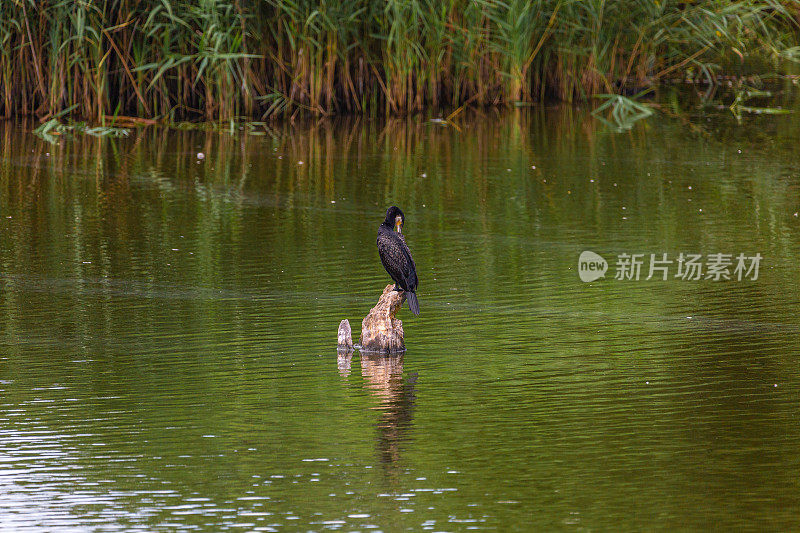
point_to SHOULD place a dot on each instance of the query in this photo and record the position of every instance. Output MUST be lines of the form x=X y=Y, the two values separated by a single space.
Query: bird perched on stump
x=396 y=257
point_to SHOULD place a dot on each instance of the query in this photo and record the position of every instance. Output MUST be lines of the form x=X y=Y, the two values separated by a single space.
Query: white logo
x=690 y=267
x=591 y=266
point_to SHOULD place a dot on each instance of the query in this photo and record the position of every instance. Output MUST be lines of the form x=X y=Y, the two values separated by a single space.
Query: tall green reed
x=219 y=60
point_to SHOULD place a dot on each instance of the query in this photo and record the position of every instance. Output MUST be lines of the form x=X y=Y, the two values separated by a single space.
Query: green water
x=168 y=359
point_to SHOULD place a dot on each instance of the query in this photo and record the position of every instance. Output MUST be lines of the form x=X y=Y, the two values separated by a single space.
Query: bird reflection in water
x=383 y=378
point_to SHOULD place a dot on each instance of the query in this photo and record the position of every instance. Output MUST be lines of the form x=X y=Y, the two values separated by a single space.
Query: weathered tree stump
x=345 y=336
x=380 y=330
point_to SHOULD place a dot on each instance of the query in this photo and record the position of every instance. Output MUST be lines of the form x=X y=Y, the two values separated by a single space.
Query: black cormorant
x=396 y=257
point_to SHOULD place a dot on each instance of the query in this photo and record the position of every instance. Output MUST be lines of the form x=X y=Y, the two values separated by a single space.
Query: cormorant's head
x=394 y=219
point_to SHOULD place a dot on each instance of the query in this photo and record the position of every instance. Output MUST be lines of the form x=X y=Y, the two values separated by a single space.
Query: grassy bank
x=221 y=59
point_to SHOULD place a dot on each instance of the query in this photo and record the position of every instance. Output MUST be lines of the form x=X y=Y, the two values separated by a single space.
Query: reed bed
x=112 y=61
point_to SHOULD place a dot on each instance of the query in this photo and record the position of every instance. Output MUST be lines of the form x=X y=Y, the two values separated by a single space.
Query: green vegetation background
x=222 y=59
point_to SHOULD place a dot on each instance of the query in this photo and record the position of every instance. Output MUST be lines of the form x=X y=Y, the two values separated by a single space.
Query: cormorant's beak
x=398 y=227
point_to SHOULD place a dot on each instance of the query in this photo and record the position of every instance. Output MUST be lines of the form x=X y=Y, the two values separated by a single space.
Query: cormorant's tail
x=413 y=303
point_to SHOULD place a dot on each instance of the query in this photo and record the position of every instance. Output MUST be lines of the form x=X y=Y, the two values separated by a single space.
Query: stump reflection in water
x=383 y=378
x=383 y=375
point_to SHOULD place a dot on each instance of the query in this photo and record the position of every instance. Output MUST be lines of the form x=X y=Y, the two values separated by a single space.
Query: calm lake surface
x=168 y=328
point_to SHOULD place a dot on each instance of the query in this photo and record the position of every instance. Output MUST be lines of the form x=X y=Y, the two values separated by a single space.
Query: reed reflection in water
x=167 y=325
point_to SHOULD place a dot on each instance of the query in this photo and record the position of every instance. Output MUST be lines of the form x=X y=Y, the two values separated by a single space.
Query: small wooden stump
x=380 y=330
x=345 y=336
